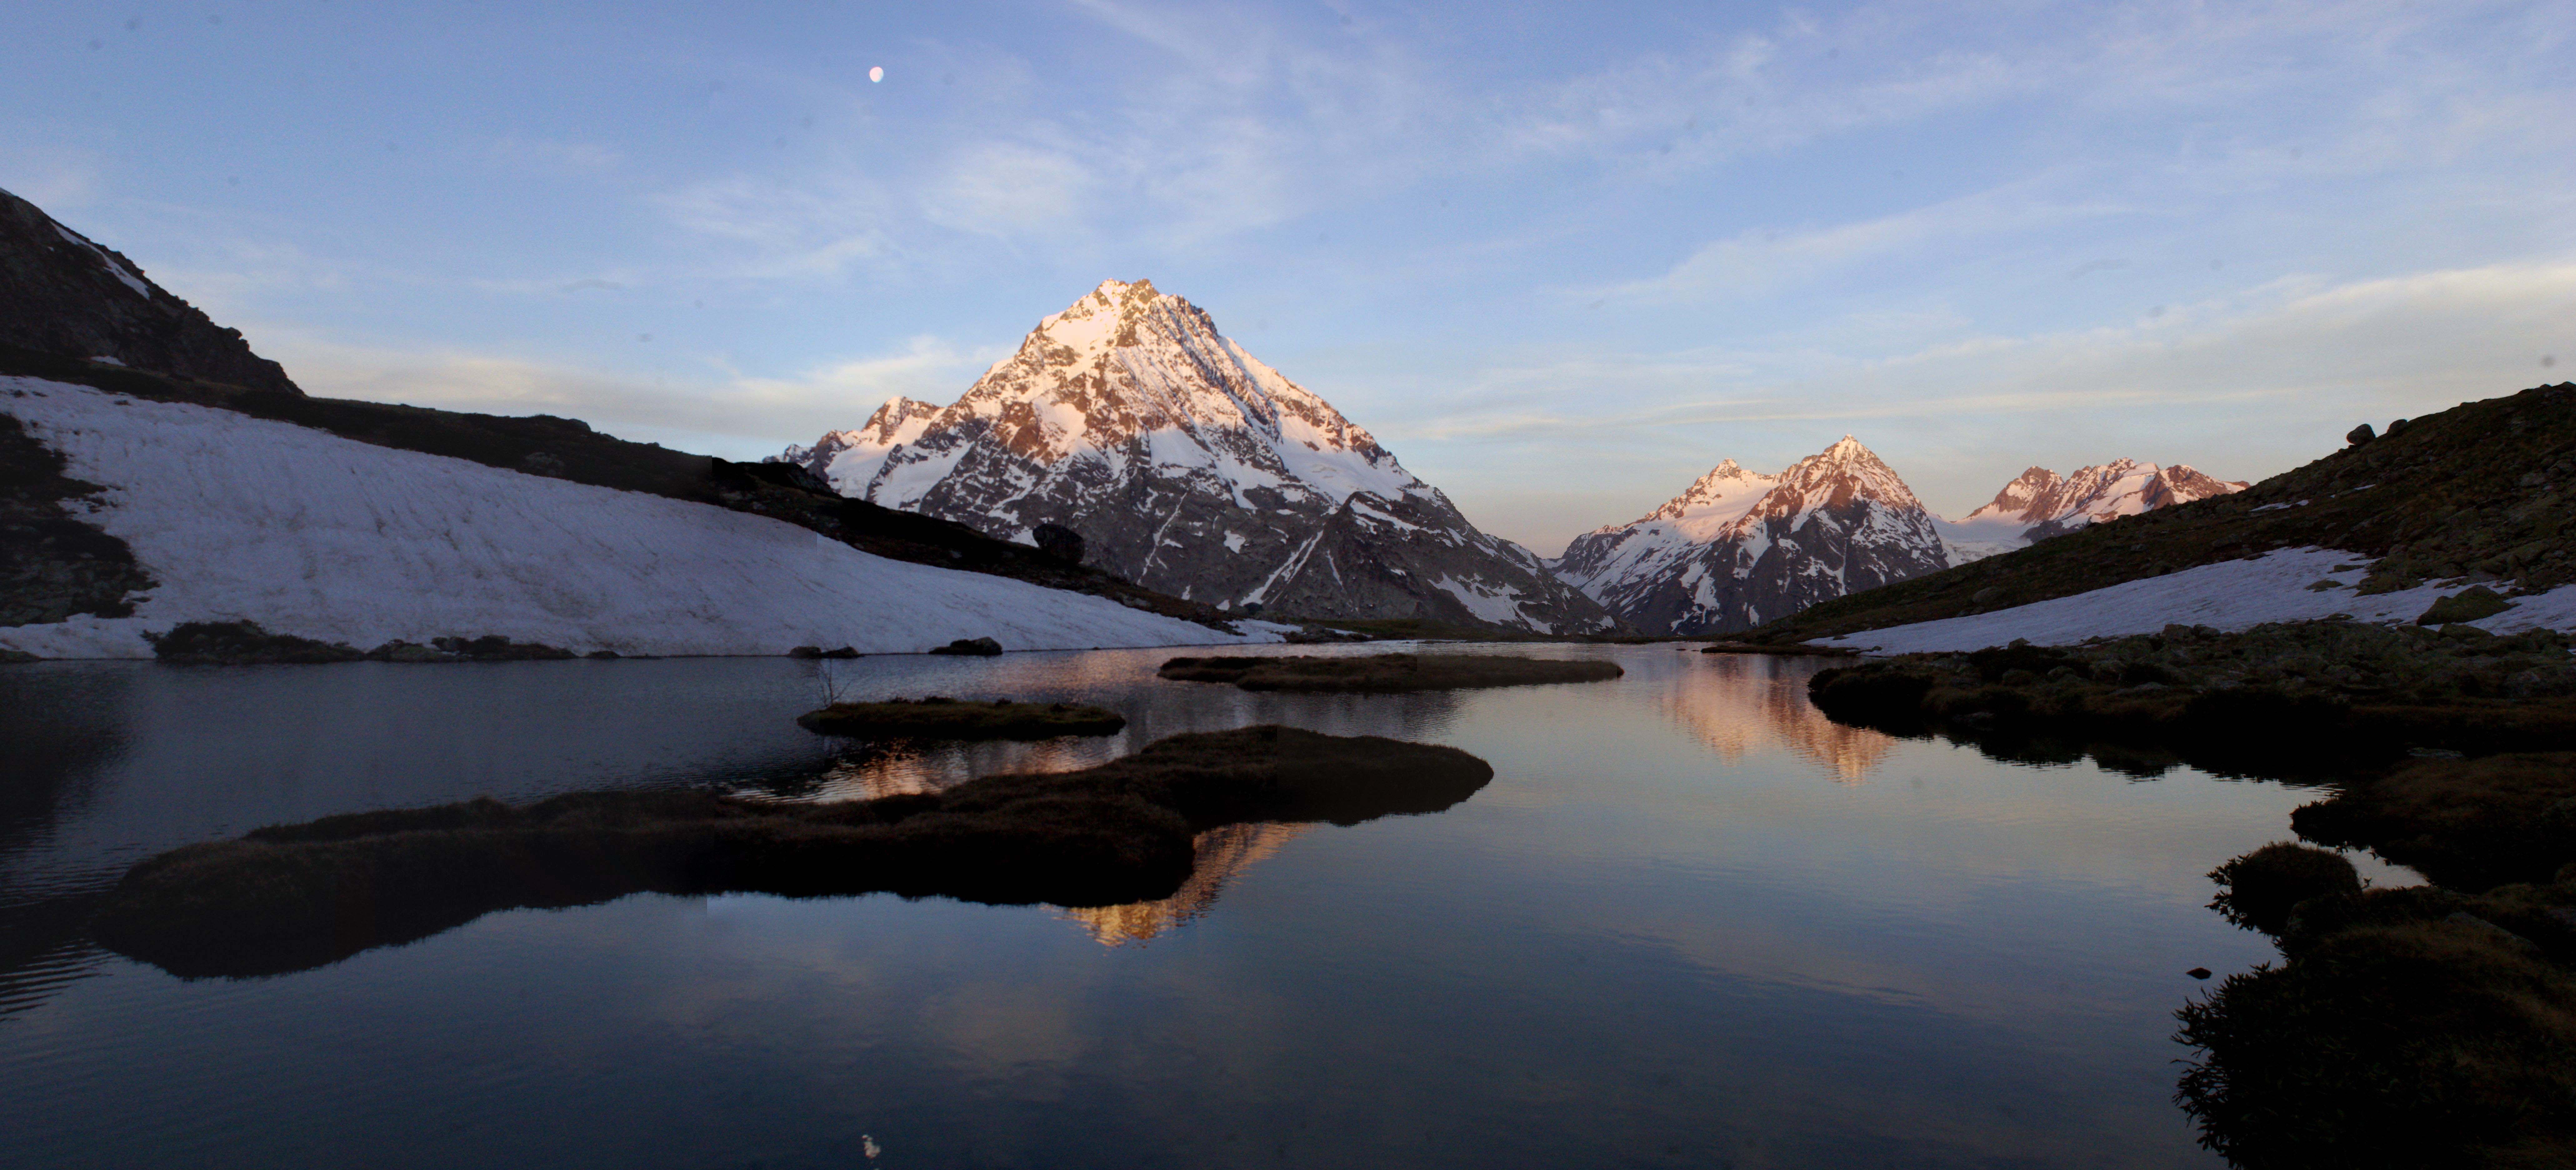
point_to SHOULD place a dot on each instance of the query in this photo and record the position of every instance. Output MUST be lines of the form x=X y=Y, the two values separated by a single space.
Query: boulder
x=978 y=647
x=2360 y=435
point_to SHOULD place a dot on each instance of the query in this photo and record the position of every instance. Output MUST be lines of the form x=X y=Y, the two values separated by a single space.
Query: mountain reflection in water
x=1221 y=854
x=871 y=771
x=1742 y=705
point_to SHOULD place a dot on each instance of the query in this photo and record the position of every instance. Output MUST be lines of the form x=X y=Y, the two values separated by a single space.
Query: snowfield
x=311 y=534
x=2231 y=595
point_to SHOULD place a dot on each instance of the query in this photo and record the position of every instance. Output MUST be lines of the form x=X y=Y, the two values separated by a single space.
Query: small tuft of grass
x=2259 y=890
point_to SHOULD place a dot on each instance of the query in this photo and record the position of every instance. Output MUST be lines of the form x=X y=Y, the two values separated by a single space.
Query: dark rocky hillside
x=61 y=294
x=2480 y=490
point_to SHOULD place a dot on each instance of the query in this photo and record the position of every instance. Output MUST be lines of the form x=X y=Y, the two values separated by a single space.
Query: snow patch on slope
x=1501 y=607
x=114 y=269
x=2230 y=595
x=311 y=534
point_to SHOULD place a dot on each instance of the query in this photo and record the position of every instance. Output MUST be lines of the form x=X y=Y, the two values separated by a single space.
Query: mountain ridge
x=65 y=295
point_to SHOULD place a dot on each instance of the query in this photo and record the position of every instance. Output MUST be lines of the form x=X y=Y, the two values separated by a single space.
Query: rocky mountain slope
x=2477 y=493
x=1190 y=467
x=63 y=295
x=1739 y=549
x=2041 y=503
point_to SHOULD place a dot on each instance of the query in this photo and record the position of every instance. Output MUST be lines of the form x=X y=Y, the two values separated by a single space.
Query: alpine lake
x=1690 y=922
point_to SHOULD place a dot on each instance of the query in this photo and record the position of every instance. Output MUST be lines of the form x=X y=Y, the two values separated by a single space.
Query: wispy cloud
x=808 y=225
x=1002 y=188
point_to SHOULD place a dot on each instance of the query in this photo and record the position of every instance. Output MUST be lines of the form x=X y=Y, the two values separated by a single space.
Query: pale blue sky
x=1561 y=259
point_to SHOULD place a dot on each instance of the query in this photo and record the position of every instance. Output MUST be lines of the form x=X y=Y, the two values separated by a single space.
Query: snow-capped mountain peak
x=849 y=459
x=2040 y=503
x=1738 y=549
x=2018 y=497
x=1714 y=501
x=1838 y=476
x=1191 y=467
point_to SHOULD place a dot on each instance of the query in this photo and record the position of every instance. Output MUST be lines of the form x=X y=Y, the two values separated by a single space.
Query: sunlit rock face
x=1221 y=854
x=2040 y=503
x=1739 y=549
x=1190 y=467
x=1736 y=720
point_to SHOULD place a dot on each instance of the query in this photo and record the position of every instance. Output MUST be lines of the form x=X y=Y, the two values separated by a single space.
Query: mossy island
x=939 y=717
x=2425 y=1025
x=1387 y=673
x=298 y=896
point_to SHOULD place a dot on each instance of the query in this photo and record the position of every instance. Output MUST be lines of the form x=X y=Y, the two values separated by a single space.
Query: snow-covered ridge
x=311 y=534
x=2229 y=595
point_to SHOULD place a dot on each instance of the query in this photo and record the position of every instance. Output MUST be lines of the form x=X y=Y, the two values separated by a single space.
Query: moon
x=876 y=73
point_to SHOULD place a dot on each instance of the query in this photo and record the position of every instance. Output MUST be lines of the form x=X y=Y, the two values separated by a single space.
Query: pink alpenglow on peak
x=1191 y=467
x=2039 y=503
x=1739 y=549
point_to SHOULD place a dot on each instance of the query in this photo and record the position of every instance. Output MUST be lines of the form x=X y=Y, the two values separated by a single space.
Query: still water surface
x=1690 y=923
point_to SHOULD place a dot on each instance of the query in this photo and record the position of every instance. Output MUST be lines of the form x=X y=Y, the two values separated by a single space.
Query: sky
x=1561 y=259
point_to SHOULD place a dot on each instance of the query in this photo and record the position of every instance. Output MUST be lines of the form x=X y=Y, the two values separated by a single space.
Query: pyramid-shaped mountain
x=1190 y=467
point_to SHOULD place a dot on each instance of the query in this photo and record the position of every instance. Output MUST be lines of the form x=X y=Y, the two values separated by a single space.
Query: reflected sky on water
x=1690 y=923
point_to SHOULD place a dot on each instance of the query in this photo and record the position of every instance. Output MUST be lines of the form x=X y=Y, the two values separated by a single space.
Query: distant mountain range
x=2041 y=503
x=1739 y=549
x=1189 y=467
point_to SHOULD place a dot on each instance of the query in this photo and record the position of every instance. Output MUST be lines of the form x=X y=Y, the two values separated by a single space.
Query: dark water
x=1690 y=923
